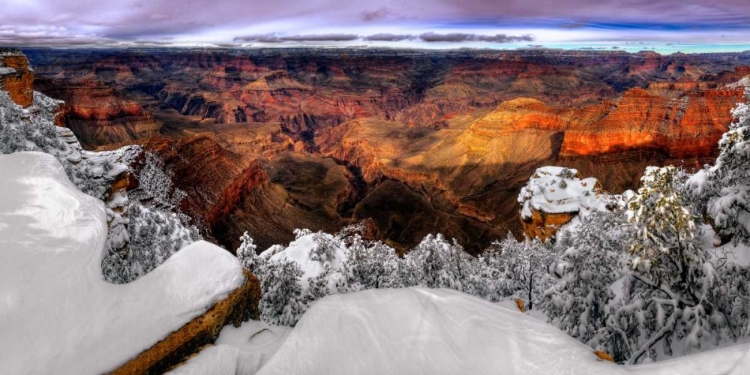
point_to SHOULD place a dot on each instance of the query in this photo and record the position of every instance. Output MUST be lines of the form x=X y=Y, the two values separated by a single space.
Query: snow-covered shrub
x=345 y=262
x=155 y=184
x=368 y=265
x=282 y=301
x=247 y=253
x=724 y=188
x=578 y=303
x=154 y=235
x=525 y=266
x=437 y=263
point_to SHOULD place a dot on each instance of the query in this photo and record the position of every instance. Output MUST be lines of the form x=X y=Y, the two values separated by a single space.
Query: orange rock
x=517 y=115
x=676 y=122
x=19 y=83
x=604 y=356
x=544 y=225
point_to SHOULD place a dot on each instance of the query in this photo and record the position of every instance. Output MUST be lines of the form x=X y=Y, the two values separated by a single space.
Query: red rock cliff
x=16 y=77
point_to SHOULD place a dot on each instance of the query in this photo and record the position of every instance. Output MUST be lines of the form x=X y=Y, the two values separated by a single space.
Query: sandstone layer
x=416 y=142
x=16 y=77
x=239 y=306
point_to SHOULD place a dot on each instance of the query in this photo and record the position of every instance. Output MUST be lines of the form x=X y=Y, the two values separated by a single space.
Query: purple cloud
x=320 y=38
x=374 y=15
x=432 y=37
x=217 y=21
x=385 y=37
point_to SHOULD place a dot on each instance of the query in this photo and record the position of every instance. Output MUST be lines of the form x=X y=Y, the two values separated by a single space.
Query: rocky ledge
x=16 y=77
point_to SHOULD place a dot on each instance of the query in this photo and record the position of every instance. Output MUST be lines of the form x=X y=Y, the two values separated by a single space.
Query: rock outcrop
x=16 y=77
x=238 y=307
x=553 y=197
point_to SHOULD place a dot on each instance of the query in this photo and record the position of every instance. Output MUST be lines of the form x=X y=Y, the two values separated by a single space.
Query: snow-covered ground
x=242 y=350
x=430 y=331
x=57 y=314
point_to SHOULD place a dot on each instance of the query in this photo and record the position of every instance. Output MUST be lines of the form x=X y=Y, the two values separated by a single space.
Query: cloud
x=261 y=38
x=320 y=38
x=374 y=15
x=385 y=37
x=432 y=37
x=274 y=38
x=217 y=21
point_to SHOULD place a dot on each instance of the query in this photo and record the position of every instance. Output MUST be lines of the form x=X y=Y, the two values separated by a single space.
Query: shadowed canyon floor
x=417 y=142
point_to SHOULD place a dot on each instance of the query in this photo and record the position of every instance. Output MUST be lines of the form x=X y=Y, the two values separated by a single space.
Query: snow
x=254 y=336
x=733 y=360
x=57 y=314
x=299 y=251
x=238 y=350
x=559 y=190
x=427 y=331
x=5 y=70
x=743 y=82
x=738 y=254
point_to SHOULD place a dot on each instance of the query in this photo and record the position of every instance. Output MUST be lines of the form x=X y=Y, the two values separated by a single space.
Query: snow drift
x=427 y=331
x=57 y=314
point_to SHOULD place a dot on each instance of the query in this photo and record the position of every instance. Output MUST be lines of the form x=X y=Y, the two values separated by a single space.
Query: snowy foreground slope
x=432 y=331
x=57 y=314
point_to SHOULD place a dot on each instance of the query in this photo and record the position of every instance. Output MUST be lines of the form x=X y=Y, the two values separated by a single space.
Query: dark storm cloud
x=432 y=37
x=384 y=37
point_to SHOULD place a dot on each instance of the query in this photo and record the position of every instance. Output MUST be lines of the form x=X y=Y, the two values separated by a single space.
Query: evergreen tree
x=282 y=301
x=724 y=188
x=672 y=291
x=437 y=263
x=247 y=253
x=369 y=265
x=526 y=267
x=578 y=303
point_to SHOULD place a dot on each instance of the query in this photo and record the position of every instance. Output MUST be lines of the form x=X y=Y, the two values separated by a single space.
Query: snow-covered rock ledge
x=58 y=315
x=553 y=196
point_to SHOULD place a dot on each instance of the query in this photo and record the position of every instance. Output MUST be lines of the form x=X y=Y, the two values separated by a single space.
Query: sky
x=631 y=25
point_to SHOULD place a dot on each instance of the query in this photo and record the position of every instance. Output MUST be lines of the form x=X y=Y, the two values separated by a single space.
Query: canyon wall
x=416 y=142
x=16 y=76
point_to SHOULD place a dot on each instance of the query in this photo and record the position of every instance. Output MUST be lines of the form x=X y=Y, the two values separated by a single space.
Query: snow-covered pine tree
x=526 y=267
x=725 y=187
x=368 y=265
x=675 y=291
x=247 y=253
x=282 y=301
x=578 y=303
x=437 y=263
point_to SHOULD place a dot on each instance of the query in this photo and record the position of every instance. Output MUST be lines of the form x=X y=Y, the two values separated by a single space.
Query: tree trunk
x=531 y=288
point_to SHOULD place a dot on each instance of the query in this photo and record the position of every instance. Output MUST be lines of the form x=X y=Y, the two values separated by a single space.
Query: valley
x=413 y=142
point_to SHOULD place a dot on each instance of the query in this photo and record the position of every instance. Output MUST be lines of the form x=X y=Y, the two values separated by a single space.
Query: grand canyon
x=412 y=142
x=443 y=187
